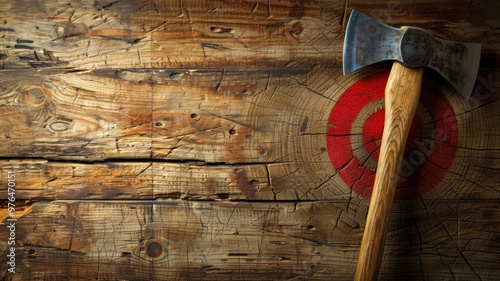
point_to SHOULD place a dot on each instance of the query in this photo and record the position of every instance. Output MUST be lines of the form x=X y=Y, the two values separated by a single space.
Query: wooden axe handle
x=401 y=99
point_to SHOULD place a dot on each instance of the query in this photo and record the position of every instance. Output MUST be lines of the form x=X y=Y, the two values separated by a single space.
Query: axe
x=368 y=41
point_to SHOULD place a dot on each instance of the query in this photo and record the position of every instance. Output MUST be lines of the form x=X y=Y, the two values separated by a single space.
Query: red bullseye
x=355 y=130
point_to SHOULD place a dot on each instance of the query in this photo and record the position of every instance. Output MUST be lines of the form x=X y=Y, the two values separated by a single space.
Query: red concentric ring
x=355 y=130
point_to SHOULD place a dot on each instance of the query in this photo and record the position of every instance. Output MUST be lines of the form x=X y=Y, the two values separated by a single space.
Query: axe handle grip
x=401 y=100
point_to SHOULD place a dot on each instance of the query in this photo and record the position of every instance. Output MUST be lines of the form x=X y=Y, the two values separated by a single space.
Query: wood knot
x=59 y=126
x=218 y=29
x=297 y=28
x=68 y=29
x=195 y=116
x=36 y=96
x=155 y=249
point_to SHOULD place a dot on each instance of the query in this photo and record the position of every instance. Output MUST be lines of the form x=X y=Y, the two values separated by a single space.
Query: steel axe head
x=368 y=41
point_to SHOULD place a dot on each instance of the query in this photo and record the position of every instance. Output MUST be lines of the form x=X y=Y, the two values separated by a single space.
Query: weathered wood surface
x=258 y=34
x=172 y=34
x=429 y=240
x=186 y=140
x=271 y=121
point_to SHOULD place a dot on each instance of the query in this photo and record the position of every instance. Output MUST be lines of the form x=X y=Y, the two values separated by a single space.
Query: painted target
x=355 y=130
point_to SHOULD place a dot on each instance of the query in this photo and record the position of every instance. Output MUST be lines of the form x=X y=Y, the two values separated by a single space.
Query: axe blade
x=457 y=62
x=368 y=41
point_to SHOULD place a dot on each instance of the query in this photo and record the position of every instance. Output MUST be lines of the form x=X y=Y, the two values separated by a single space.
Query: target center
x=355 y=128
x=373 y=129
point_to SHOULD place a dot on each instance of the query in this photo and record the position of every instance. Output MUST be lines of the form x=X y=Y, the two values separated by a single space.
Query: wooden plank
x=215 y=34
x=105 y=115
x=74 y=116
x=278 y=120
x=186 y=241
x=48 y=180
x=171 y=34
x=481 y=248
x=429 y=239
x=43 y=180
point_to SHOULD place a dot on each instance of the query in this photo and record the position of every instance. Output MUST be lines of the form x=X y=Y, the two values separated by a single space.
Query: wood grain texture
x=171 y=34
x=186 y=140
x=251 y=241
x=402 y=95
x=200 y=34
x=111 y=181
x=205 y=119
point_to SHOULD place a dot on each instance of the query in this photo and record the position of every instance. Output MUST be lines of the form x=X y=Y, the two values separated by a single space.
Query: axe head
x=368 y=41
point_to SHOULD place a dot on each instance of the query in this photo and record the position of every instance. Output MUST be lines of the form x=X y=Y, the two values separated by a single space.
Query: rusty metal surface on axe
x=368 y=41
